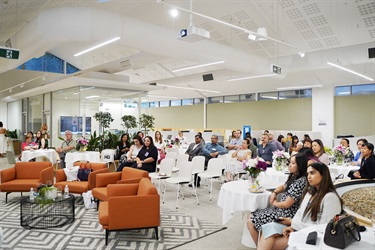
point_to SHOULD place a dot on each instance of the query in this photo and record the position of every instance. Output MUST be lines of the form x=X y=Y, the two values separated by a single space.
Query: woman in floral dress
x=291 y=191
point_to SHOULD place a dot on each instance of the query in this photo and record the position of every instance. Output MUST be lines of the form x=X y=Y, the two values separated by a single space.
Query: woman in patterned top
x=288 y=205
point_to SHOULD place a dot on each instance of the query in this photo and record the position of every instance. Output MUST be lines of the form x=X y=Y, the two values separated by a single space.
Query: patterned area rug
x=86 y=233
x=361 y=201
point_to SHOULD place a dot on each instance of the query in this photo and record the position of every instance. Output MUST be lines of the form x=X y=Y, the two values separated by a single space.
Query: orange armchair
x=24 y=176
x=126 y=176
x=79 y=187
x=130 y=206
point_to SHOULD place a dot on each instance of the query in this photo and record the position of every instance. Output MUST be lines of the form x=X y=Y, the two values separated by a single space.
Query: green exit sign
x=9 y=53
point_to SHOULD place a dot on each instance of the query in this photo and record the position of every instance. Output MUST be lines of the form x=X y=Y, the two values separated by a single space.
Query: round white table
x=271 y=178
x=27 y=155
x=91 y=156
x=236 y=196
x=297 y=240
x=343 y=169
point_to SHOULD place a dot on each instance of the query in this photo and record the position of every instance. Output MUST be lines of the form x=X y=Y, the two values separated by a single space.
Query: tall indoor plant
x=104 y=119
x=129 y=122
x=146 y=122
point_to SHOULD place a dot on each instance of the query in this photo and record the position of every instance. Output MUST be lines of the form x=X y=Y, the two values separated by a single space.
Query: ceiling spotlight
x=252 y=37
x=301 y=54
x=173 y=13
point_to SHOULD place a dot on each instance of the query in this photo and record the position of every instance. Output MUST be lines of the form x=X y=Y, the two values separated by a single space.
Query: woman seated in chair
x=39 y=140
x=147 y=157
x=291 y=191
x=132 y=154
x=367 y=169
x=320 y=196
x=123 y=147
x=235 y=165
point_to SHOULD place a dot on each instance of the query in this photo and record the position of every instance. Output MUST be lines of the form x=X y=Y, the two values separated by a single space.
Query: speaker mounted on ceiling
x=208 y=77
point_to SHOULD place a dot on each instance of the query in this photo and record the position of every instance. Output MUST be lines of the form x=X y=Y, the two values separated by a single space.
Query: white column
x=323 y=113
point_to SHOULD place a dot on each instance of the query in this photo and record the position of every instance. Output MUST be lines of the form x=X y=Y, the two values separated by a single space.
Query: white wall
x=323 y=113
x=14 y=115
x=117 y=111
x=4 y=114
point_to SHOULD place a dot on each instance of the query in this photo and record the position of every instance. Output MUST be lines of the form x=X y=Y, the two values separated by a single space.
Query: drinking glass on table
x=59 y=191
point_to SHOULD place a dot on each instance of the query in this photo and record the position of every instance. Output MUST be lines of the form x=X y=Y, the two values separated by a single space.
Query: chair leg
x=211 y=190
x=165 y=186
x=195 y=192
x=156 y=233
x=97 y=204
x=6 y=197
x=106 y=236
x=178 y=190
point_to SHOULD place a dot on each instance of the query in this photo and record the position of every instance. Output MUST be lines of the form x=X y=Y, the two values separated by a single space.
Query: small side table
x=41 y=216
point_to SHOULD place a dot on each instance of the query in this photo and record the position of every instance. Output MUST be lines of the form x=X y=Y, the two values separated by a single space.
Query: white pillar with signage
x=323 y=113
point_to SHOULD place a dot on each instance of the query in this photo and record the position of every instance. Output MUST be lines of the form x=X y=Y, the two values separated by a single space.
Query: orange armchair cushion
x=130 y=206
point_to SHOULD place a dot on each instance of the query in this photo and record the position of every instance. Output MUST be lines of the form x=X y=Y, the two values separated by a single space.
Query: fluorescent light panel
x=163 y=96
x=189 y=88
x=98 y=46
x=197 y=66
x=249 y=77
x=300 y=87
x=350 y=71
x=92 y=96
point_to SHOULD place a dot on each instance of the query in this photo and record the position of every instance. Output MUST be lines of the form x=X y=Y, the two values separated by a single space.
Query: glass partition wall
x=74 y=109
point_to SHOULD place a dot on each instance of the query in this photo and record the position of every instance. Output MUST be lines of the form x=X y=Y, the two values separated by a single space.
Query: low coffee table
x=41 y=216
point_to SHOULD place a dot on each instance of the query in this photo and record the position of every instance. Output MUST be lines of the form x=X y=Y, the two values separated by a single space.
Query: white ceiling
x=326 y=30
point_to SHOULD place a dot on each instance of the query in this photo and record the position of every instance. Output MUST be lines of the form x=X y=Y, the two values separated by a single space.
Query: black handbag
x=341 y=231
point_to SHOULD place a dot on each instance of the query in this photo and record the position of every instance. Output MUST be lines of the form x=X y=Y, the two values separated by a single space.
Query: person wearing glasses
x=358 y=156
x=68 y=145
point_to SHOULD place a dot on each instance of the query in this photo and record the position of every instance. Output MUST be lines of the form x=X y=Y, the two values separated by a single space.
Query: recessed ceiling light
x=197 y=66
x=249 y=77
x=173 y=12
x=92 y=96
x=98 y=46
x=350 y=71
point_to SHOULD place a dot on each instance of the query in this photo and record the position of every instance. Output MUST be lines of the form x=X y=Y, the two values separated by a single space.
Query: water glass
x=59 y=191
x=320 y=222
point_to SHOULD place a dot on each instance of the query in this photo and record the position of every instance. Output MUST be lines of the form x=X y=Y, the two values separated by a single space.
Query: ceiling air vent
x=125 y=64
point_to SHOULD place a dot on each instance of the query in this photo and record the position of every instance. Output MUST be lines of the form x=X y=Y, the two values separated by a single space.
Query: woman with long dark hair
x=132 y=153
x=39 y=140
x=294 y=145
x=147 y=157
x=320 y=197
x=123 y=147
x=318 y=149
x=291 y=191
x=367 y=169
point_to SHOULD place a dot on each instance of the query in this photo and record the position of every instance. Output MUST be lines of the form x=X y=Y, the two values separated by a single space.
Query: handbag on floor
x=341 y=231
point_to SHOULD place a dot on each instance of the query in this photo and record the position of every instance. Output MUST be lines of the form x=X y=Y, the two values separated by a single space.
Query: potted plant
x=129 y=122
x=111 y=141
x=94 y=142
x=146 y=122
x=13 y=135
x=104 y=119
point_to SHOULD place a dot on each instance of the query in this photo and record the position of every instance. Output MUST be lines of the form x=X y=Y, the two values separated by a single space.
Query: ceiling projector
x=193 y=34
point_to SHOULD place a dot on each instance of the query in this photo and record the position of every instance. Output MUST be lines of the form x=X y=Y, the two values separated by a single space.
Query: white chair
x=11 y=158
x=172 y=150
x=180 y=159
x=214 y=170
x=108 y=156
x=184 y=177
x=198 y=165
x=165 y=171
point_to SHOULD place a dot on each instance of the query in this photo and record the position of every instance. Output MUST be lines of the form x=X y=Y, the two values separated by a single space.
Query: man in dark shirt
x=195 y=147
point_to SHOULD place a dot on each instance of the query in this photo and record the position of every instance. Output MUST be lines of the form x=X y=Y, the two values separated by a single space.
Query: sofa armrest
x=122 y=190
x=92 y=177
x=60 y=175
x=7 y=174
x=102 y=180
x=46 y=175
x=133 y=212
x=127 y=181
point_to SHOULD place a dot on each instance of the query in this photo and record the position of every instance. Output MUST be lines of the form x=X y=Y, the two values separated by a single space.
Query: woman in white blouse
x=320 y=198
x=160 y=145
x=132 y=154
